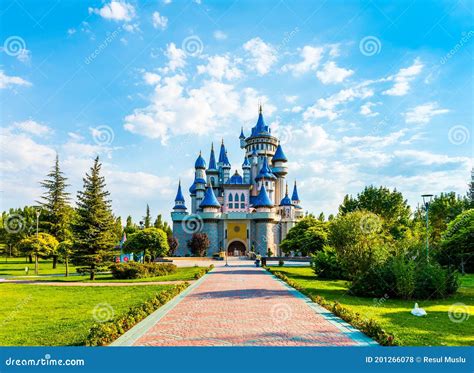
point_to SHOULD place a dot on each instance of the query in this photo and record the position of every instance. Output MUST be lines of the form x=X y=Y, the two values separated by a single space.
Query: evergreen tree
x=130 y=226
x=158 y=222
x=56 y=212
x=147 y=219
x=470 y=192
x=94 y=230
x=321 y=217
x=118 y=228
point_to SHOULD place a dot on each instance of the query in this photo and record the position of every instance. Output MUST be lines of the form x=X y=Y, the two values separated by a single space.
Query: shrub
x=102 y=334
x=377 y=282
x=281 y=263
x=404 y=274
x=133 y=270
x=326 y=264
x=432 y=281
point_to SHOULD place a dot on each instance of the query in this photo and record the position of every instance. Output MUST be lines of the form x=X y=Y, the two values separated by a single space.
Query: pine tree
x=57 y=213
x=147 y=219
x=130 y=226
x=158 y=222
x=470 y=192
x=94 y=230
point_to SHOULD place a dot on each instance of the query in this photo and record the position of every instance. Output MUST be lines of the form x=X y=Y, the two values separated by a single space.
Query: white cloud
x=328 y=107
x=403 y=78
x=71 y=31
x=291 y=99
x=176 y=58
x=366 y=109
x=261 y=56
x=32 y=127
x=115 y=10
x=220 y=67
x=151 y=78
x=330 y=73
x=296 y=109
x=422 y=114
x=311 y=56
x=426 y=158
x=159 y=21
x=7 y=81
x=220 y=35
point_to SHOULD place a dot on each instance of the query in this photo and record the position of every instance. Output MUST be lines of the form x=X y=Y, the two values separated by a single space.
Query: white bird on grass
x=417 y=311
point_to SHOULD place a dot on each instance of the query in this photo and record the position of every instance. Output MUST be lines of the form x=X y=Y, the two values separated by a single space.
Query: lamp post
x=226 y=263
x=38 y=213
x=426 y=202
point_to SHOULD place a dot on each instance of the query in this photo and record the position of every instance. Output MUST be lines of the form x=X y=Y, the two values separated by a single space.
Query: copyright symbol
x=418 y=359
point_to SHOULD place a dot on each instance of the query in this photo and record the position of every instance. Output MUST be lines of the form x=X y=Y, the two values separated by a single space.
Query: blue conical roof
x=246 y=163
x=222 y=155
x=262 y=199
x=200 y=162
x=210 y=199
x=286 y=201
x=242 y=136
x=260 y=128
x=279 y=155
x=294 y=196
x=179 y=195
x=235 y=179
x=265 y=172
x=212 y=160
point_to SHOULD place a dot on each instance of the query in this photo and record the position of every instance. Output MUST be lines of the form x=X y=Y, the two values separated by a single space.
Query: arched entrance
x=236 y=248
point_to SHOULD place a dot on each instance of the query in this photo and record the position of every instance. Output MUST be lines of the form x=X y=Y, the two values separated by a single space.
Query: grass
x=16 y=267
x=394 y=316
x=61 y=316
x=181 y=274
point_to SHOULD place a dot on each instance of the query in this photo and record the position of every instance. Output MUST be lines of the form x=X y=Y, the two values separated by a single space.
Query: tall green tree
x=130 y=226
x=94 y=232
x=38 y=245
x=147 y=218
x=160 y=224
x=65 y=249
x=56 y=212
x=308 y=236
x=389 y=205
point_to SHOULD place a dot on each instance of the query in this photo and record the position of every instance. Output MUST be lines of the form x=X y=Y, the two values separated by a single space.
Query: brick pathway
x=246 y=306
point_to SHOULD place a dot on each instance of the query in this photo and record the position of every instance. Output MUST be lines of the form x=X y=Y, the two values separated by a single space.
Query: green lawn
x=394 y=315
x=16 y=267
x=34 y=315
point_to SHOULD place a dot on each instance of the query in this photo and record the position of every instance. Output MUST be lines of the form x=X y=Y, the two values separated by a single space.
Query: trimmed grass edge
x=369 y=327
x=102 y=334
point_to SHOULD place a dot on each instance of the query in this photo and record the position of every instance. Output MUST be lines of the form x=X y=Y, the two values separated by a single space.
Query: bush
x=404 y=274
x=281 y=263
x=432 y=281
x=102 y=334
x=378 y=281
x=325 y=264
x=133 y=270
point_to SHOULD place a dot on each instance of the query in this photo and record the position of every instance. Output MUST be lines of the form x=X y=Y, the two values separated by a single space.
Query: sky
x=359 y=93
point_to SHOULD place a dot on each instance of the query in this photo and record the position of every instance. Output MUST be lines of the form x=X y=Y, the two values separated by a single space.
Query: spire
x=294 y=196
x=179 y=200
x=242 y=136
x=286 y=201
x=212 y=159
x=210 y=199
x=260 y=109
x=279 y=155
x=222 y=153
x=226 y=162
x=262 y=199
x=246 y=163
x=260 y=128
x=200 y=162
x=265 y=172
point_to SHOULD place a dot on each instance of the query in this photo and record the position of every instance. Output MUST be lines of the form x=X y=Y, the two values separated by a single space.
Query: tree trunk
x=55 y=261
x=31 y=258
x=462 y=265
x=67 y=268
x=92 y=276
x=36 y=265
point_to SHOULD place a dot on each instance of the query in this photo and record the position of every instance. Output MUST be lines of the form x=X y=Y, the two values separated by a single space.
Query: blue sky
x=360 y=92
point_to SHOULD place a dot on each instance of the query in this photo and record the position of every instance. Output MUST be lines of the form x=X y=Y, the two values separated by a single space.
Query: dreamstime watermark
x=103 y=135
x=281 y=312
x=46 y=361
x=285 y=135
x=14 y=223
x=103 y=312
x=370 y=46
x=192 y=46
x=287 y=38
x=192 y=224
x=458 y=312
x=16 y=310
x=458 y=135
x=370 y=223
x=466 y=36
x=14 y=46
x=377 y=302
x=103 y=45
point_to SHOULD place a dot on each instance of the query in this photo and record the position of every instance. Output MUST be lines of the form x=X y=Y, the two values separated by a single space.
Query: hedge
x=133 y=270
x=369 y=327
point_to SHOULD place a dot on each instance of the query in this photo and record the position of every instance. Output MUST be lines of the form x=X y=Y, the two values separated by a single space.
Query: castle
x=240 y=213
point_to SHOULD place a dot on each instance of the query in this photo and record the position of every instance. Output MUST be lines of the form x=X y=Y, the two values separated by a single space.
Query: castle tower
x=242 y=138
x=223 y=165
x=246 y=167
x=266 y=178
x=210 y=208
x=226 y=168
x=212 y=171
x=199 y=180
x=179 y=203
x=280 y=169
x=264 y=223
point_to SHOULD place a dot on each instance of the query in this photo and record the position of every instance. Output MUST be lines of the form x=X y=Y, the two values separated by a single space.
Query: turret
x=242 y=138
x=179 y=203
x=246 y=168
x=210 y=202
x=226 y=168
x=212 y=171
x=280 y=169
x=199 y=185
x=266 y=177
x=295 y=199
x=263 y=201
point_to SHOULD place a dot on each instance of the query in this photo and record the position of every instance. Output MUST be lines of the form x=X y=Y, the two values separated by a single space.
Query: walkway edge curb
x=351 y=332
x=137 y=331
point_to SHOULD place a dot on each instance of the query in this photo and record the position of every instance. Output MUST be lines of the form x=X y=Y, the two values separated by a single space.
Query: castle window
x=236 y=198
x=242 y=197
x=230 y=198
x=213 y=181
x=230 y=205
x=242 y=205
